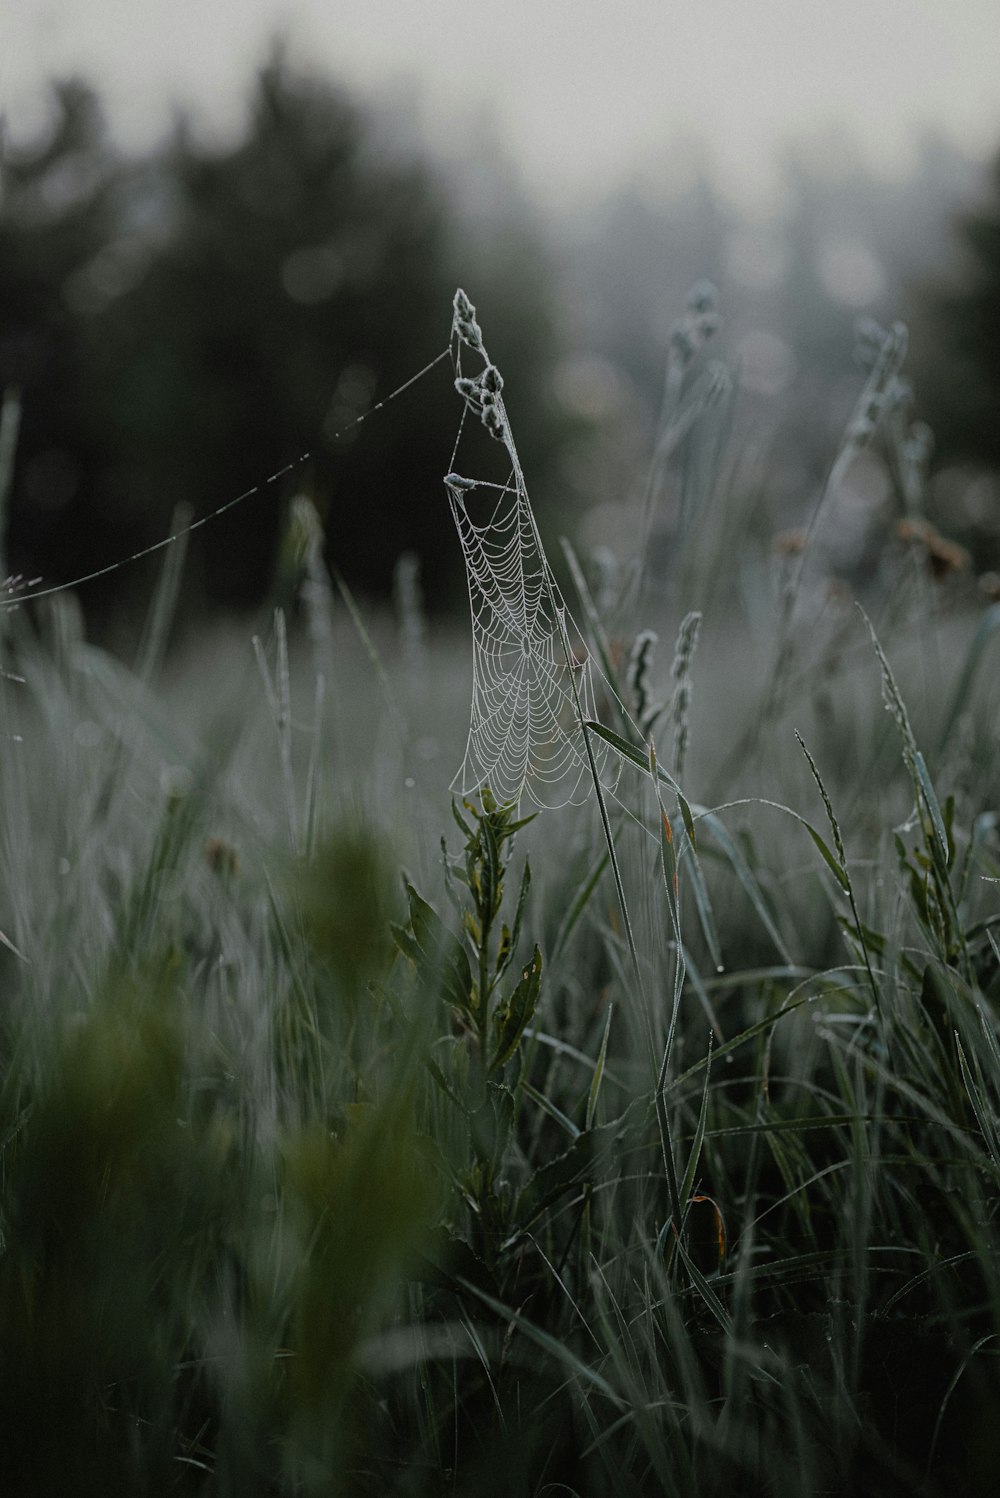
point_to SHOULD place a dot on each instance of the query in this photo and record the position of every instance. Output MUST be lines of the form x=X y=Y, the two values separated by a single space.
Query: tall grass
x=331 y=1151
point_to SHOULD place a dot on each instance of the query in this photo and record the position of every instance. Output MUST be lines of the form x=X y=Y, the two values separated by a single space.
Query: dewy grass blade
x=703 y=905
x=557 y=1350
x=591 y=615
x=6 y=942
x=369 y=646
x=839 y=865
x=598 y=1077
x=748 y=880
x=579 y=904
x=635 y=756
x=694 y=1158
x=988 y=626
x=984 y=1113
x=952 y=1386
x=164 y=605
x=933 y=810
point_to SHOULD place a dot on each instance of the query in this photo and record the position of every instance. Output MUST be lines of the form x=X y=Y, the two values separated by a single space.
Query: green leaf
x=937 y=998
x=491 y=871
x=703 y=905
x=463 y=824
x=873 y=939
x=832 y=862
x=597 y=631
x=582 y=1162
x=492 y=1123
x=407 y=943
x=579 y=904
x=572 y=1168
x=989 y=625
x=450 y=1260
x=436 y=952
x=509 y=936
x=557 y=1349
x=637 y=757
x=687 y=1185
x=668 y=863
x=504 y=950
x=687 y=819
x=511 y=1018
x=934 y=810
x=598 y=1077
x=548 y=1106
x=748 y=880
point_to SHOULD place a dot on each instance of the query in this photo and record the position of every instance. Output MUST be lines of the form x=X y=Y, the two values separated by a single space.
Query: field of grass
x=357 y=1140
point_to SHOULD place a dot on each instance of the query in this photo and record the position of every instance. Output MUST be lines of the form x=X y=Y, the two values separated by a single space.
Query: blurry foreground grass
x=315 y=1179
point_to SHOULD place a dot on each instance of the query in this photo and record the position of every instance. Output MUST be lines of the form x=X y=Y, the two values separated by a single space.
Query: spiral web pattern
x=525 y=736
x=532 y=674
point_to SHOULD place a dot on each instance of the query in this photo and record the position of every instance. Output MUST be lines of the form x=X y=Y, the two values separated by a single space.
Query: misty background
x=223 y=239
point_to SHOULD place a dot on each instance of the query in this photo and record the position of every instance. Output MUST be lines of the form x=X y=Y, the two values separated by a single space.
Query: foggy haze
x=578 y=93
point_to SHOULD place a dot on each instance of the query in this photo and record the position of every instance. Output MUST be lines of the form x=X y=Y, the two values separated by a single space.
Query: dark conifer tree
x=960 y=373
x=59 y=265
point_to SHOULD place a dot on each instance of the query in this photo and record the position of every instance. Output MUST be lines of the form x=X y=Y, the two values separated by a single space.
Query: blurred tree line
x=183 y=326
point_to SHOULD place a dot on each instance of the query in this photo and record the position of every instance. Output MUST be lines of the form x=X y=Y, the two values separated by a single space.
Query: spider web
x=524 y=732
x=532 y=674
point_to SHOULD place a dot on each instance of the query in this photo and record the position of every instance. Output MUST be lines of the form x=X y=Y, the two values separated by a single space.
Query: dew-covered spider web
x=532 y=674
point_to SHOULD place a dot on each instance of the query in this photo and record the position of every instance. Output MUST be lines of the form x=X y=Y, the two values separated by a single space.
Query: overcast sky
x=582 y=90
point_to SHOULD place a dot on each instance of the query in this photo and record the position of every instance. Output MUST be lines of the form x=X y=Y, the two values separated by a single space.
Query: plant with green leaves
x=473 y=973
x=470 y=970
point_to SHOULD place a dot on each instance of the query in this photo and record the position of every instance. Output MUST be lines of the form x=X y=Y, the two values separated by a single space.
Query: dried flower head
x=944 y=557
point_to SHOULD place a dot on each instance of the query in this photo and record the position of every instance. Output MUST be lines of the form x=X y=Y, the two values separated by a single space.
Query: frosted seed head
x=471 y=335
x=467 y=388
x=869 y=341
x=493 y=421
x=899 y=396
x=464 y=322
x=687 y=641
x=639 y=667
x=456 y=481
x=641 y=656
x=492 y=379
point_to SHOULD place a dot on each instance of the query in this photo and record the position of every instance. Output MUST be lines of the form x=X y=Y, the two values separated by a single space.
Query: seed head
x=492 y=379
x=464 y=322
x=493 y=421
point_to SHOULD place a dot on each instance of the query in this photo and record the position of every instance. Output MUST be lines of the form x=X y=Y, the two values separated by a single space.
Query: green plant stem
x=484 y=980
